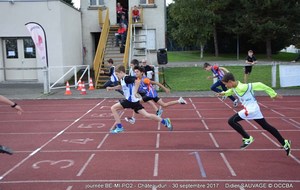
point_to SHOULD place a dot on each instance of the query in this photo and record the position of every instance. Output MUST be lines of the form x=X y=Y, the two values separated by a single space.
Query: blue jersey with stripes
x=148 y=89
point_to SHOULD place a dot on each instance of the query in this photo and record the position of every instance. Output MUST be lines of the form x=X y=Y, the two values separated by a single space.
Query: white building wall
x=154 y=18
x=61 y=22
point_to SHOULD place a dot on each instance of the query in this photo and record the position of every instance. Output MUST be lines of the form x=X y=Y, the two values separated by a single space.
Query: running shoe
x=235 y=103
x=247 y=142
x=130 y=120
x=287 y=146
x=159 y=112
x=117 y=130
x=169 y=124
x=182 y=101
x=5 y=150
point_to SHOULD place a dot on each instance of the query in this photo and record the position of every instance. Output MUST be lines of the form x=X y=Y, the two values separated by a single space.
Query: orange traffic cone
x=79 y=85
x=83 y=91
x=68 y=91
x=91 y=86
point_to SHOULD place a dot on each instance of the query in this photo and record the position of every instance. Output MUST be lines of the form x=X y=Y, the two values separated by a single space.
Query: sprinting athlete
x=218 y=73
x=149 y=93
x=129 y=85
x=251 y=109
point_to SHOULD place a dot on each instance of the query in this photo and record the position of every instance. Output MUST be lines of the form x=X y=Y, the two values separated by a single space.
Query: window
x=29 y=48
x=11 y=48
x=96 y=2
x=145 y=2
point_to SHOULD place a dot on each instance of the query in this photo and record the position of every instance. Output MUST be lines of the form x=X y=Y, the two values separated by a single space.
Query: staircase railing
x=128 y=42
x=98 y=60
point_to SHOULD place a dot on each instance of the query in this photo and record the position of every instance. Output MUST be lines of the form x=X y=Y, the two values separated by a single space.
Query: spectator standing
x=250 y=61
x=149 y=71
x=120 y=10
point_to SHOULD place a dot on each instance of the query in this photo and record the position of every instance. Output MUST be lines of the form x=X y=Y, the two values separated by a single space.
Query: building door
x=19 y=57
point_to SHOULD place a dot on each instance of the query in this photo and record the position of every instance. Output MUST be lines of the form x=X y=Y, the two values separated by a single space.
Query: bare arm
x=161 y=86
x=11 y=103
x=224 y=69
x=136 y=87
x=118 y=87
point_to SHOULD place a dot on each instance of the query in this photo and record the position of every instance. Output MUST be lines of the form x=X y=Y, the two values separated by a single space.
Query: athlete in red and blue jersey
x=219 y=72
x=149 y=93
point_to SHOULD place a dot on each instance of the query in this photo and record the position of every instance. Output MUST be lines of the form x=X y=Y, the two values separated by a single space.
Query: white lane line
x=69 y=188
x=199 y=115
x=105 y=137
x=101 y=143
x=269 y=138
x=157 y=140
x=227 y=164
x=282 y=115
x=214 y=140
x=296 y=159
x=38 y=149
x=156 y=181
x=85 y=165
x=200 y=164
x=156 y=159
x=292 y=122
x=165 y=150
x=295 y=121
x=278 y=145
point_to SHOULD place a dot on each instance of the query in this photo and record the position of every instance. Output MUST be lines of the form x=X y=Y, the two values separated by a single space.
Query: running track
x=65 y=145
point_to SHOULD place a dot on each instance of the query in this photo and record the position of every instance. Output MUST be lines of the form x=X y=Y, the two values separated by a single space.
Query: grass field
x=195 y=78
x=188 y=56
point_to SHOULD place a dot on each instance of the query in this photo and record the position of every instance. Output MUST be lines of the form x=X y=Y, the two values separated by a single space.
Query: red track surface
x=66 y=145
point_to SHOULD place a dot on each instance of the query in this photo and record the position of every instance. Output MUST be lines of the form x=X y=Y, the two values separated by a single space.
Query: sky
x=77 y=3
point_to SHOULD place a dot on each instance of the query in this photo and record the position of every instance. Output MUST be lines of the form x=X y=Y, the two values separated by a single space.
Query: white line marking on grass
x=156 y=159
x=214 y=140
x=45 y=144
x=85 y=165
x=227 y=164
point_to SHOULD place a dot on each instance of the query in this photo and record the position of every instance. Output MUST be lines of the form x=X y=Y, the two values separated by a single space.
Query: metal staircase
x=139 y=40
x=110 y=52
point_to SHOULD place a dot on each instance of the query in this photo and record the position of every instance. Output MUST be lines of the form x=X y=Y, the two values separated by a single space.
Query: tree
x=267 y=20
x=191 y=23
